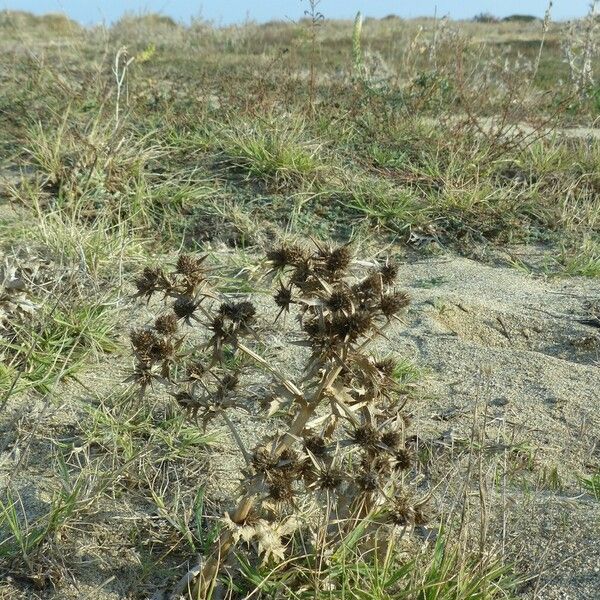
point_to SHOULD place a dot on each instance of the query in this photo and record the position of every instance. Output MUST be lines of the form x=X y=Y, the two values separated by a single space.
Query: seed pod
x=366 y=436
x=166 y=324
x=142 y=341
x=263 y=461
x=280 y=490
x=330 y=478
x=402 y=459
x=386 y=366
x=392 y=304
x=369 y=287
x=286 y=255
x=340 y=300
x=189 y=266
x=400 y=512
x=351 y=327
x=241 y=313
x=389 y=272
x=337 y=261
x=184 y=307
x=368 y=481
x=392 y=439
x=283 y=298
x=148 y=282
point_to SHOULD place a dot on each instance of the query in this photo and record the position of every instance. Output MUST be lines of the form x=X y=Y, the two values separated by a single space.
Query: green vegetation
x=592 y=485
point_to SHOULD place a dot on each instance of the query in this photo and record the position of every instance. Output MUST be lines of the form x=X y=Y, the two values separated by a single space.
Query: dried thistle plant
x=342 y=448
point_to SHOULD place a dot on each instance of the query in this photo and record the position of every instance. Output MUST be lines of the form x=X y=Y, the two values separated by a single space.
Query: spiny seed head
x=391 y=304
x=351 y=327
x=366 y=436
x=163 y=349
x=190 y=266
x=229 y=382
x=241 y=313
x=340 y=300
x=312 y=328
x=283 y=297
x=386 y=366
x=150 y=346
x=262 y=460
x=286 y=255
x=143 y=340
x=196 y=369
x=301 y=274
x=338 y=260
x=402 y=459
x=217 y=326
x=280 y=490
x=401 y=513
x=148 y=282
x=184 y=307
x=166 y=324
x=245 y=312
x=368 y=481
x=369 y=287
x=380 y=463
x=142 y=374
x=330 y=478
x=317 y=445
x=324 y=346
x=392 y=439
x=389 y=272
x=289 y=461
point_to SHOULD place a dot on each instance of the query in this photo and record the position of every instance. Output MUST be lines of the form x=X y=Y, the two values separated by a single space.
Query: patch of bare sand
x=516 y=343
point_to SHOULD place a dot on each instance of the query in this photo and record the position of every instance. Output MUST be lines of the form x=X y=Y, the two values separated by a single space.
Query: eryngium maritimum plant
x=342 y=447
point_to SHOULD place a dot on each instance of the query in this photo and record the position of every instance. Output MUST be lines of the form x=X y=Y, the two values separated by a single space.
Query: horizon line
x=247 y=19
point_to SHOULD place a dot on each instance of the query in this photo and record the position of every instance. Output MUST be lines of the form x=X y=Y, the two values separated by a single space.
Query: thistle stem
x=236 y=437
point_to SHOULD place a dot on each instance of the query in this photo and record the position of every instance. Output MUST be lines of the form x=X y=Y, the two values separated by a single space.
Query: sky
x=224 y=12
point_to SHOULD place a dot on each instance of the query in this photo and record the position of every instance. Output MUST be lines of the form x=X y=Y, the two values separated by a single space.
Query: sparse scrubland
x=299 y=310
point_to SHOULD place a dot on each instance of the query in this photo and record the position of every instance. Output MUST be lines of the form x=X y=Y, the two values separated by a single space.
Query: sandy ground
x=513 y=342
